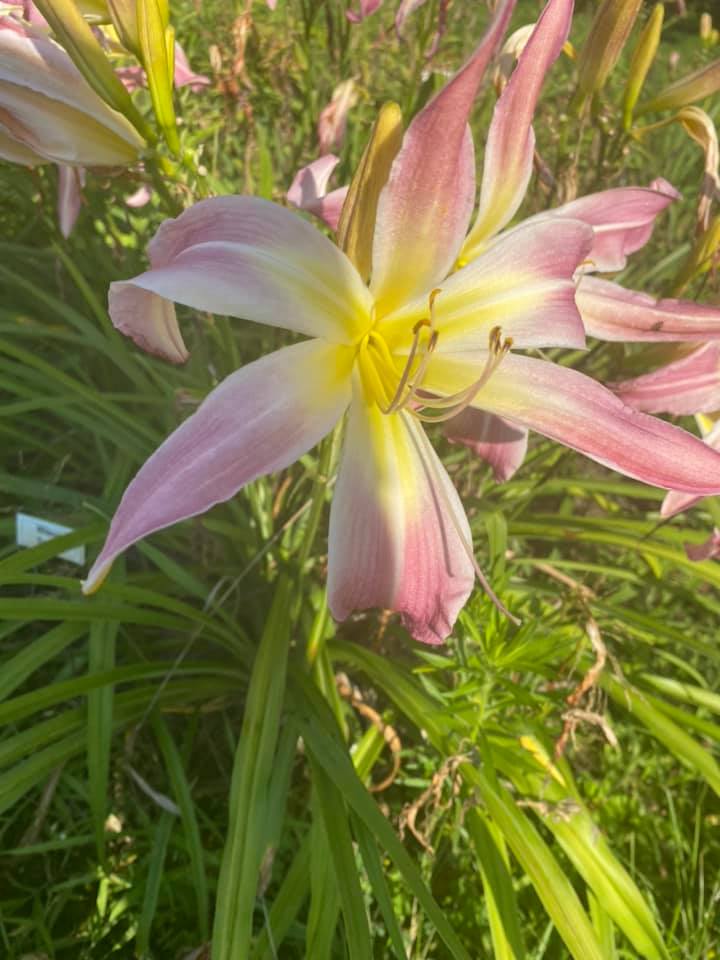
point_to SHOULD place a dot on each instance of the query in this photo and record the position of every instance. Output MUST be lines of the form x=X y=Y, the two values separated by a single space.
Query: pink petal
x=622 y=220
x=675 y=502
x=185 y=76
x=494 y=440
x=242 y=257
x=259 y=420
x=14 y=151
x=523 y=283
x=366 y=8
x=140 y=198
x=308 y=191
x=133 y=77
x=394 y=523
x=697 y=552
x=686 y=386
x=577 y=411
x=426 y=205
x=44 y=90
x=610 y=312
x=511 y=140
x=71 y=180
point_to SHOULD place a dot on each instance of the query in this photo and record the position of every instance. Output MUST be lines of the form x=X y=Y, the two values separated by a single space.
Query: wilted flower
x=423 y=342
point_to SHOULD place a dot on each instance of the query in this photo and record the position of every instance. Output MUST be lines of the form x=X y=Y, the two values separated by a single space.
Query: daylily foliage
x=429 y=337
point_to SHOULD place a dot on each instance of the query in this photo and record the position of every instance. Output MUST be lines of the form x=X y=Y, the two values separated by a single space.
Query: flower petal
x=32 y=61
x=575 y=410
x=260 y=419
x=16 y=152
x=511 y=140
x=426 y=205
x=71 y=180
x=249 y=258
x=523 y=283
x=675 y=502
x=496 y=441
x=686 y=386
x=622 y=220
x=308 y=191
x=610 y=312
x=394 y=523
x=697 y=552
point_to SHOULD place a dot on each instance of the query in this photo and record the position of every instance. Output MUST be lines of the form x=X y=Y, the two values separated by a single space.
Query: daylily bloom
x=421 y=342
x=47 y=110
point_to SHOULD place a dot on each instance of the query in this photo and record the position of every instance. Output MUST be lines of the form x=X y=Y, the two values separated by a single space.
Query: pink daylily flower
x=134 y=78
x=676 y=502
x=421 y=341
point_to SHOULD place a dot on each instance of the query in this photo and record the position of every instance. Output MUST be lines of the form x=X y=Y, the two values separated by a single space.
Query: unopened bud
x=608 y=34
x=642 y=60
x=696 y=86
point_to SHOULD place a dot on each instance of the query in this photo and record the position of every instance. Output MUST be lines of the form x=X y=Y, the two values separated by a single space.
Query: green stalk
x=252 y=771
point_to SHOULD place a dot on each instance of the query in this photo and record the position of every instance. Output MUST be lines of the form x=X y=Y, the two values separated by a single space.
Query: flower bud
x=67 y=23
x=608 y=34
x=47 y=110
x=642 y=60
x=696 y=86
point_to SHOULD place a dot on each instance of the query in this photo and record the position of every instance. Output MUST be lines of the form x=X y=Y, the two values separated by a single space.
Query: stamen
x=398 y=402
x=455 y=404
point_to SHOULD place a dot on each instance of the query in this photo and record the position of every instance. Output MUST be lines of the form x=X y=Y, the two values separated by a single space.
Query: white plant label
x=32 y=531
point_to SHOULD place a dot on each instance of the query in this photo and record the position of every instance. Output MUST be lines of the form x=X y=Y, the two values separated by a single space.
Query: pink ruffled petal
x=686 y=386
x=395 y=527
x=498 y=442
x=622 y=220
x=425 y=207
x=575 y=410
x=710 y=550
x=610 y=312
x=309 y=192
x=523 y=283
x=511 y=140
x=243 y=257
x=259 y=420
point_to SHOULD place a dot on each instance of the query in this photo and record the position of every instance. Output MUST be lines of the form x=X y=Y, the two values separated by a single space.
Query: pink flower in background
x=184 y=76
x=309 y=192
x=423 y=341
x=332 y=122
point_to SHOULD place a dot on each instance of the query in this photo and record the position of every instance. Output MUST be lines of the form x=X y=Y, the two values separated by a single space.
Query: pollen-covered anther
x=453 y=405
x=407 y=390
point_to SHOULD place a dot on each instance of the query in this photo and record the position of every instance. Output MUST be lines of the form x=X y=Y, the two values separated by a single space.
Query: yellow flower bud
x=608 y=34
x=642 y=60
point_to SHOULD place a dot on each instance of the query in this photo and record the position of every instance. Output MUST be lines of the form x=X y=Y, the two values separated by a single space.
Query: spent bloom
x=399 y=333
